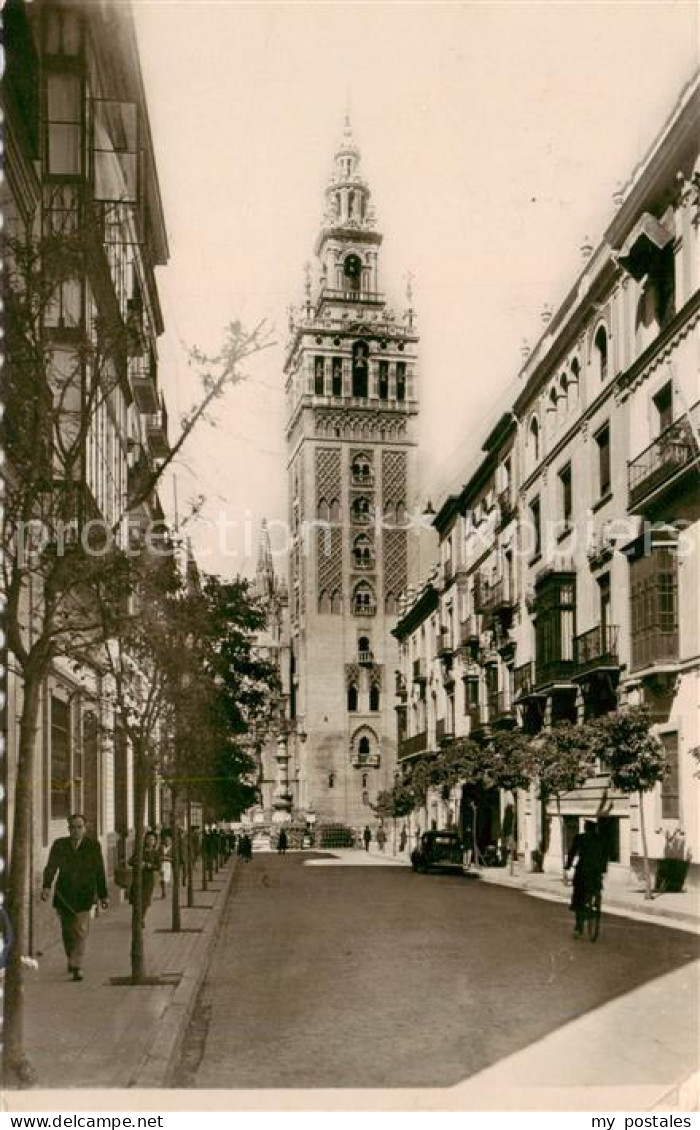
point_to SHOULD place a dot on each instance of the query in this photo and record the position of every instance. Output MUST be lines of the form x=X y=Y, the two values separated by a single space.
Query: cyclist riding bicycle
x=589 y=852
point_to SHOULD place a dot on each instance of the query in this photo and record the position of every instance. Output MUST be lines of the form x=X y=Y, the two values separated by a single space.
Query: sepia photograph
x=350 y=580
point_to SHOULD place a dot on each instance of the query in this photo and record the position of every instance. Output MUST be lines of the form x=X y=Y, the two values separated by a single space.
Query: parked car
x=439 y=849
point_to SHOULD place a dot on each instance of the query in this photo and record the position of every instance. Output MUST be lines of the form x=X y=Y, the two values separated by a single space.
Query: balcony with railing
x=664 y=462
x=475 y=714
x=501 y=711
x=523 y=680
x=495 y=600
x=597 y=649
x=157 y=432
x=444 y=643
x=420 y=670
x=330 y=294
x=444 y=731
x=144 y=388
x=468 y=638
x=365 y=658
x=417 y=743
x=549 y=671
x=654 y=644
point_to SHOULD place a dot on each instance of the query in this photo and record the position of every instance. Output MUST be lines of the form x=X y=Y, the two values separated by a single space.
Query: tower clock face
x=353 y=267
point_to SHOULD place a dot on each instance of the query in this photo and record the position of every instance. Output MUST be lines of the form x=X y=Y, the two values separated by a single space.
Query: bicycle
x=591 y=913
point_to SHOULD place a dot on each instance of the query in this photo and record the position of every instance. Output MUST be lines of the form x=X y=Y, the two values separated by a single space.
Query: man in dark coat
x=367 y=837
x=591 y=863
x=81 y=882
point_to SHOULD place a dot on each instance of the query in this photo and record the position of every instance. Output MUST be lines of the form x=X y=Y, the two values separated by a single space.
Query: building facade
x=569 y=562
x=352 y=402
x=80 y=173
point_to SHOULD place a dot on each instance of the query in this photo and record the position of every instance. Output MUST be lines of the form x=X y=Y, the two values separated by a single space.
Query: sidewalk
x=98 y=1035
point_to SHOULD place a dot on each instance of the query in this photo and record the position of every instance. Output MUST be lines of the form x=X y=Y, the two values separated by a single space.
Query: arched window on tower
x=363 y=749
x=337 y=376
x=360 y=362
x=400 y=380
x=352 y=273
x=324 y=602
x=334 y=511
x=601 y=352
x=319 y=375
x=383 y=380
x=352 y=698
x=363 y=600
x=336 y=602
x=374 y=697
x=361 y=469
x=362 y=552
x=390 y=604
x=361 y=511
x=323 y=510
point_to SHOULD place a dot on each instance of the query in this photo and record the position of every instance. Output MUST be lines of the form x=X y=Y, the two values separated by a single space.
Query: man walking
x=367 y=837
x=81 y=882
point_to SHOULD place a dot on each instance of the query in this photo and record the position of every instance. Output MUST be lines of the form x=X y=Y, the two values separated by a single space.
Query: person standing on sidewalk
x=81 y=882
x=367 y=837
x=150 y=867
x=381 y=837
x=282 y=842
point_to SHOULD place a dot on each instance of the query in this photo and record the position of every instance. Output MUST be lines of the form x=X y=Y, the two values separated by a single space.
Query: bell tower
x=352 y=405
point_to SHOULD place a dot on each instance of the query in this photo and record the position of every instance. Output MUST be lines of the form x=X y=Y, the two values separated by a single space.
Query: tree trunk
x=175 y=922
x=18 y=1070
x=204 y=851
x=562 y=843
x=645 y=850
x=513 y=832
x=138 y=965
x=189 y=852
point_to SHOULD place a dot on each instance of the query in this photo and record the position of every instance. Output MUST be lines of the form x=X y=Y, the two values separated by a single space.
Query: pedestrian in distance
x=381 y=837
x=150 y=867
x=282 y=842
x=367 y=837
x=589 y=853
x=166 y=862
x=403 y=838
x=81 y=883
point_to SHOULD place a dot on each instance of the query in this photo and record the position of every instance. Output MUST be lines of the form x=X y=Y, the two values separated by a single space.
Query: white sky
x=492 y=136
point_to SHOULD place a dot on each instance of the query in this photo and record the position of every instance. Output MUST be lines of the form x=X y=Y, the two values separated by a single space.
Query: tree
x=562 y=761
x=395 y=803
x=636 y=758
x=510 y=766
x=57 y=383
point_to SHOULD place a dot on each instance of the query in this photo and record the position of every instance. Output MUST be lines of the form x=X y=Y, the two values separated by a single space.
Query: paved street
x=371 y=976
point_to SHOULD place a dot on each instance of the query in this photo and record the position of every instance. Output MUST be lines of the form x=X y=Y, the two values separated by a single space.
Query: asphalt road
x=363 y=976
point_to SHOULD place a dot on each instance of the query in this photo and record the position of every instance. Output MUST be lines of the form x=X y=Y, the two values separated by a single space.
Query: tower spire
x=265 y=584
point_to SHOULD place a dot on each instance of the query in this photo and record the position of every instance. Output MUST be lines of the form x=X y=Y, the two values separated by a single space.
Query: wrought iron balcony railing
x=523 y=680
x=418 y=743
x=444 y=731
x=596 y=648
x=672 y=453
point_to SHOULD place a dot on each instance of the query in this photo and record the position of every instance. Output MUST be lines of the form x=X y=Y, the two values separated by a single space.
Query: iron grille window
x=654 y=607
x=60 y=758
x=670 y=788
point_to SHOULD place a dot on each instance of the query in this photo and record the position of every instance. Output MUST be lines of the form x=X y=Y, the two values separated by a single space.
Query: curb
x=159 y=1061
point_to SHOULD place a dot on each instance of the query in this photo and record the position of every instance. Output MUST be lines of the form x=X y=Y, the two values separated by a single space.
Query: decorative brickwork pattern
x=395 y=558
x=353 y=673
x=328 y=482
x=394 y=478
x=375 y=676
x=329 y=565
